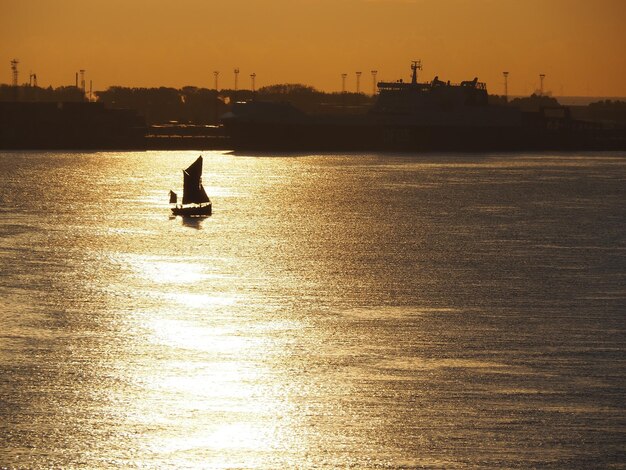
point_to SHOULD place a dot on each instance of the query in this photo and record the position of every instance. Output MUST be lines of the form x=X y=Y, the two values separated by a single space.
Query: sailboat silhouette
x=195 y=202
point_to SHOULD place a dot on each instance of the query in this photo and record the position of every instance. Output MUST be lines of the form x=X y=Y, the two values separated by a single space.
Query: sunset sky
x=579 y=44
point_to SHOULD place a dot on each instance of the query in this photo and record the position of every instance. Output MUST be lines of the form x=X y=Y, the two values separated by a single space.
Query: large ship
x=435 y=115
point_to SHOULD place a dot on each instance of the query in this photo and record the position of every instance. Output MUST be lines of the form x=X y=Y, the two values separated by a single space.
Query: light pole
x=374 y=72
x=253 y=76
x=343 y=82
x=358 y=82
x=217 y=101
x=506 y=86
x=541 y=77
x=14 y=72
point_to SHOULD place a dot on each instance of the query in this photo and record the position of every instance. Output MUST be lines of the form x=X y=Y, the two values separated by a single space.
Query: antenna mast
x=415 y=66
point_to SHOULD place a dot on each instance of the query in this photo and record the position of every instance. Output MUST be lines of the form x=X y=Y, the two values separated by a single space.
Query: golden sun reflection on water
x=164 y=272
x=214 y=383
x=208 y=395
x=199 y=300
x=178 y=334
x=220 y=438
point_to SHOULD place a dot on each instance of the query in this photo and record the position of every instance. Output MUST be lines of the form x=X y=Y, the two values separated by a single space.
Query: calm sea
x=336 y=311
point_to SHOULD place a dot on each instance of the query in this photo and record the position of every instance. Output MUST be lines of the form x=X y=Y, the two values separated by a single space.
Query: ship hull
x=193 y=211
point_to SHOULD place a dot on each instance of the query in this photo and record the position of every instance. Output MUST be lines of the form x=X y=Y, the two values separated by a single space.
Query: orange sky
x=579 y=44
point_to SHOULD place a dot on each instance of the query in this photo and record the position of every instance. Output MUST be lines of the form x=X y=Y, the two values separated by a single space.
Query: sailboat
x=196 y=202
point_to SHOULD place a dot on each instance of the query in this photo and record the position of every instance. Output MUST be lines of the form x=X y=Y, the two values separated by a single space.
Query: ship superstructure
x=440 y=103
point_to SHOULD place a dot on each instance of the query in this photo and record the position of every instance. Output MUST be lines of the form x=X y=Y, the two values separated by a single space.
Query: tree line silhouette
x=192 y=104
x=204 y=106
x=40 y=94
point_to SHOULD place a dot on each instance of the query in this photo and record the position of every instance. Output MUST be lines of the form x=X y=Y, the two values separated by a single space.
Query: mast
x=415 y=66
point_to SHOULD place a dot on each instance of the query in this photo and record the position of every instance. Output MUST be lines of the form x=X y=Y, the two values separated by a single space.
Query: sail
x=203 y=195
x=193 y=192
x=173 y=197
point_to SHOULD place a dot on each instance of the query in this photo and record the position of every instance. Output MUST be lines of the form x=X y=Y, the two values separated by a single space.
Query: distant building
x=69 y=125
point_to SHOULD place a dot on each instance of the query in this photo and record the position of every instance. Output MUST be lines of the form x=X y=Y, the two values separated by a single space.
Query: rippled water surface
x=336 y=311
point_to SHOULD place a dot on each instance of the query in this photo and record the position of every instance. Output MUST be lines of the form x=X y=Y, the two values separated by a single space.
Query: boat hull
x=193 y=211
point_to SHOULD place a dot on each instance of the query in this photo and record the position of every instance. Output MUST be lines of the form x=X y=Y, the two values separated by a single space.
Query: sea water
x=335 y=311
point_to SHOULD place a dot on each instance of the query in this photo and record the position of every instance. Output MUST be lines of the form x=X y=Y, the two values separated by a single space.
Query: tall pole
x=374 y=72
x=506 y=86
x=82 y=80
x=358 y=82
x=343 y=82
x=14 y=71
x=253 y=76
x=216 y=74
x=236 y=74
x=541 y=77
